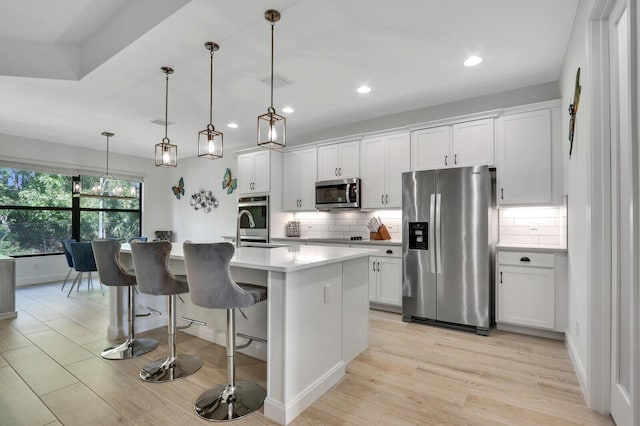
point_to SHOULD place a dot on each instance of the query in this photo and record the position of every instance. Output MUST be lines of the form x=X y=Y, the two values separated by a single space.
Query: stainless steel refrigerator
x=448 y=238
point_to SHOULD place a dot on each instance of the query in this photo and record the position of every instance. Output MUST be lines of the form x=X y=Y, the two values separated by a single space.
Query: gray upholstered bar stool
x=151 y=262
x=211 y=286
x=111 y=273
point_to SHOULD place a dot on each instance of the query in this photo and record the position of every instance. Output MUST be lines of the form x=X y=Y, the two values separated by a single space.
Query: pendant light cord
x=166 y=107
x=211 y=92
x=107 y=155
x=272 y=25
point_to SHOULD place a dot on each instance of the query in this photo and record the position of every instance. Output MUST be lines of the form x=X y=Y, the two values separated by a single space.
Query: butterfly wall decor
x=178 y=190
x=228 y=183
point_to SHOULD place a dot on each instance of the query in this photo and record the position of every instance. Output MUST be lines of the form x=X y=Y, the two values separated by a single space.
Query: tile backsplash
x=530 y=226
x=534 y=226
x=346 y=224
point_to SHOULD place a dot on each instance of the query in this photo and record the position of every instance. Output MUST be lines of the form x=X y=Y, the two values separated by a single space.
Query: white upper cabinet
x=254 y=172
x=338 y=161
x=298 y=185
x=473 y=143
x=459 y=145
x=383 y=160
x=430 y=148
x=527 y=168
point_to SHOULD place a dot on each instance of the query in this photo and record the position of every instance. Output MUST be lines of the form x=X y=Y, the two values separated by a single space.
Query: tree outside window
x=37 y=210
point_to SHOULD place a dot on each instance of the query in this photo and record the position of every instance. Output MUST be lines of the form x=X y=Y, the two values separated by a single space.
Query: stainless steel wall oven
x=258 y=208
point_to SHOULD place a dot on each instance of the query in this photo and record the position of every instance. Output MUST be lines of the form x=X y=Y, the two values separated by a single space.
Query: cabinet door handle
x=381 y=198
x=386 y=199
x=455 y=158
x=373 y=264
x=525 y=259
x=502 y=193
x=389 y=251
x=445 y=159
x=378 y=266
x=336 y=171
x=500 y=277
x=300 y=203
x=339 y=171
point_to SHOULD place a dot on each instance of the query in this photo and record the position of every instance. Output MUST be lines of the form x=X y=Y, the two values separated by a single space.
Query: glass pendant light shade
x=210 y=143
x=166 y=152
x=76 y=187
x=209 y=140
x=272 y=128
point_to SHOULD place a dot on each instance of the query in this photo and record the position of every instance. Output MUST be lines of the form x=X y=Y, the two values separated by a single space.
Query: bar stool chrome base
x=130 y=348
x=221 y=403
x=170 y=369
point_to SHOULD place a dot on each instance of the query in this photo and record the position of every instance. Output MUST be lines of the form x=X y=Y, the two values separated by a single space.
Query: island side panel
x=355 y=308
x=305 y=334
x=274 y=406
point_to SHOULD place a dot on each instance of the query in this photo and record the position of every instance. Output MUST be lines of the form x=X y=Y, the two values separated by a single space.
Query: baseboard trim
x=8 y=315
x=549 y=334
x=285 y=413
x=581 y=372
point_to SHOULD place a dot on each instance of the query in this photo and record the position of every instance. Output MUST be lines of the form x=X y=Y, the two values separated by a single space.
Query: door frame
x=598 y=386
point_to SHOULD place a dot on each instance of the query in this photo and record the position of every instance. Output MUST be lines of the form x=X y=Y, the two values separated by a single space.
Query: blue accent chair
x=141 y=239
x=67 y=255
x=83 y=261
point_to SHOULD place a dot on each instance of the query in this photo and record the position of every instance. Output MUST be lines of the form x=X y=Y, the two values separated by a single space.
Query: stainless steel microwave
x=338 y=194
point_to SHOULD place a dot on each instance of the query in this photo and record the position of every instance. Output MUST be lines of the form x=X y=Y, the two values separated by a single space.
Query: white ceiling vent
x=278 y=81
x=160 y=122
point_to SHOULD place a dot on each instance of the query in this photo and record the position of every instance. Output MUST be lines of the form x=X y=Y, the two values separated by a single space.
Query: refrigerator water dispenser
x=418 y=235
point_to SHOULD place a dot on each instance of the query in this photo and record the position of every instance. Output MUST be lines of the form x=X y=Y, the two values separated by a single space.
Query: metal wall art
x=203 y=200
x=573 y=111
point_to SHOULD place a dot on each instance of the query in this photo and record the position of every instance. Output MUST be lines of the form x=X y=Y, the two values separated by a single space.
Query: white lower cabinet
x=530 y=290
x=385 y=280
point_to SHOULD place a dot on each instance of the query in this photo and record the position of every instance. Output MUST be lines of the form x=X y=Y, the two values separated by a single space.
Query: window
x=37 y=210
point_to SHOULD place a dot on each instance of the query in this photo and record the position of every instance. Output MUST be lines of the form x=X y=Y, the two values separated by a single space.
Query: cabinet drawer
x=383 y=251
x=545 y=260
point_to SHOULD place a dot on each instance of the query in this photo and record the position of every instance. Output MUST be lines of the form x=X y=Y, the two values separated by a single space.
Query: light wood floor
x=51 y=373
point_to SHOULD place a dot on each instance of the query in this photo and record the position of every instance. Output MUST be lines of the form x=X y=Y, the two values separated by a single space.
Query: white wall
x=578 y=187
x=156 y=191
x=200 y=173
x=511 y=98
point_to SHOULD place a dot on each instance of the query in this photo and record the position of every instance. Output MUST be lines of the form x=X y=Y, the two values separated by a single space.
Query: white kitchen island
x=317 y=316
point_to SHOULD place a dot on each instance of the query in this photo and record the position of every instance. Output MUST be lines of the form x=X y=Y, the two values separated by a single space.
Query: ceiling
x=72 y=69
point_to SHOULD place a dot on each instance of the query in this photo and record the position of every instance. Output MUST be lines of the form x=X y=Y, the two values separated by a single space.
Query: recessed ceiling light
x=472 y=61
x=287 y=110
x=232 y=125
x=363 y=89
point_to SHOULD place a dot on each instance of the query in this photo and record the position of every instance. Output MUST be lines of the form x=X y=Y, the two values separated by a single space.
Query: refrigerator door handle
x=432 y=232
x=437 y=236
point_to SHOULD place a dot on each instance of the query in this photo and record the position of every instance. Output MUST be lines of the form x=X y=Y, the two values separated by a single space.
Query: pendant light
x=166 y=152
x=106 y=186
x=210 y=141
x=271 y=126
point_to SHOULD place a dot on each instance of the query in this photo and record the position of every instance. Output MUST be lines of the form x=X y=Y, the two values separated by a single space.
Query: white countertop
x=282 y=259
x=340 y=241
x=516 y=247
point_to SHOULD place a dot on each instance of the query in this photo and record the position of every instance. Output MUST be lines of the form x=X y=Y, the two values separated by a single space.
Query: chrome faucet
x=252 y=224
